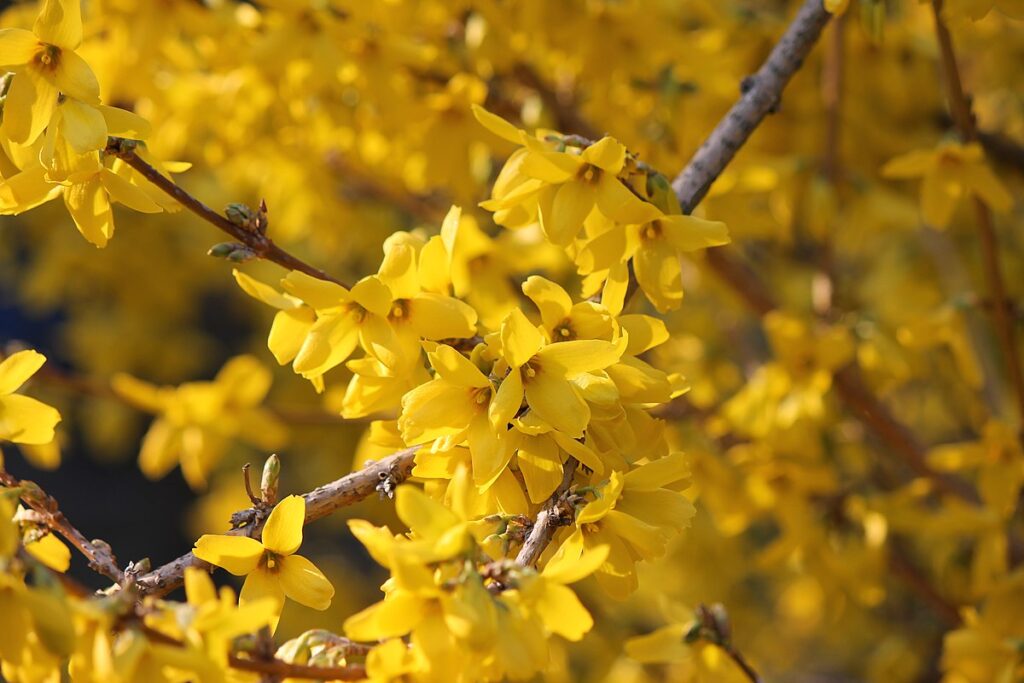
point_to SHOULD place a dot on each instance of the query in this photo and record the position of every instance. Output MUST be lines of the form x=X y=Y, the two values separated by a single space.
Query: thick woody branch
x=556 y=512
x=98 y=553
x=380 y=476
x=261 y=245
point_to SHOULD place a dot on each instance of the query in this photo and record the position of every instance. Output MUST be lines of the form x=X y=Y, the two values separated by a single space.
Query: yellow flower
x=46 y=66
x=544 y=373
x=949 y=172
x=197 y=420
x=636 y=514
x=566 y=186
x=271 y=567
x=452 y=408
x=24 y=419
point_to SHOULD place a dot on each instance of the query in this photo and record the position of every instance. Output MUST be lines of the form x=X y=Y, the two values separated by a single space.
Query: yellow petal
x=304 y=583
x=607 y=153
x=645 y=332
x=574 y=561
x=572 y=358
x=83 y=126
x=29 y=106
x=562 y=612
x=199 y=588
x=50 y=551
x=426 y=517
x=264 y=292
x=127 y=194
x=60 y=23
x=262 y=585
x=125 y=124
x=938 y=199
x=657 y=270
x=573 y=202
x=689 y=233
x=287 y=333
x=520 y=340
x=489 y=449
x=90 y=208
x=558 y=403
x=455 y=368
x=664 y=645
x=75 y=78
x=320 y=294
x=17 y=46
x=435 y=316
x=496 y=124
x=240 y=555
x=507 y=400
x=282 y=534
x=393 y=617
x=17 y=368
x=553 y=301
x=373 y=295
x=541 y=466
x=26 y=420
x=909 y=165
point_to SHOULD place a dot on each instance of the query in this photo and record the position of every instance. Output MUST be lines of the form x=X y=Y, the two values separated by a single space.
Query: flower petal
x=282 y=534
x=520 y=340
x=17 y=368
x=17 y=47
x=240 y=555
x=304 y=583
x=455 y=368
x=60 y=23
x=75 y=78
x=557 y=402
x=26 y=420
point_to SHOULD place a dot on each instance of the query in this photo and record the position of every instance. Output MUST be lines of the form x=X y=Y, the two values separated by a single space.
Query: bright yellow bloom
x=635 y=516
x=949 y=173
x=270 y=566
x=566 y=187
x=46 y=66
x=544 y=373
x=24 y=419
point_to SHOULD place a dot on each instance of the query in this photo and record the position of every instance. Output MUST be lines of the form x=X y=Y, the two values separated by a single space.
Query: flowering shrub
x=614 y=409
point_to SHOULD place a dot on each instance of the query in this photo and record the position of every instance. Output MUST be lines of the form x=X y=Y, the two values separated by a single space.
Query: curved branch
x=261 y=245
x=553 y=515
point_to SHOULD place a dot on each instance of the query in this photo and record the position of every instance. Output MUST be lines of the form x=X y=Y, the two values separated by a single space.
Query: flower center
x=589 y=174
x=564 y=332
x=48 y=58
x=399 y=310
x=651 y=231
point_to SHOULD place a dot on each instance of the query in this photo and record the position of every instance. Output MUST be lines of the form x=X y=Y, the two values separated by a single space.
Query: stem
x=757 y=101
x=551 y=516
x=98 y=553
x=259 y=243
x=320 y=502
x=963 y=118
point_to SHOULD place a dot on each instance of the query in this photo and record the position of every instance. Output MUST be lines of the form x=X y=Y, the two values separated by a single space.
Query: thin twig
x=98 y=553
x=382 y=475
x=963 y=118
x=261 y=245
x=551 y=516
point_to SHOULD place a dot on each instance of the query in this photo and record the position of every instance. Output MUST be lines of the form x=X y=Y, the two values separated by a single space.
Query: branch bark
x=259 y=243
x=98 y=553
x=692 y=183
x=381 y=475
x=760 y=97
x=551 y=516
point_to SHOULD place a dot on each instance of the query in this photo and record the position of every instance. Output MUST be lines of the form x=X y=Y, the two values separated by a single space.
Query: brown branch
x=382 y=475
x=97 y=552
x=760 y=97
x=556 y=513
x=282 y=669
x=261 y=245
x=901 y=567
x=963 y=118
x=692 y=184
